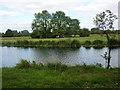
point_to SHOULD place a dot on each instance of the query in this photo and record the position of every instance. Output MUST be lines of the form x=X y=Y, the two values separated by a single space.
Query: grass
x=50 y=76
x=95 y=40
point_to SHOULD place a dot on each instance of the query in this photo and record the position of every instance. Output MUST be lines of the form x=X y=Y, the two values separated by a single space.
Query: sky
x=19 y=14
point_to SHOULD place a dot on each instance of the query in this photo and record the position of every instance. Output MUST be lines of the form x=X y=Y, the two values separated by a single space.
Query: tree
x=25 y=33
x=59 y=23
x=104 y=21
x=41 y=23
x=84 y=32
x=68 y=30
x=9 y=33
x=35 y=34
x=74 y=26
x=96 y=31
x=15 y=33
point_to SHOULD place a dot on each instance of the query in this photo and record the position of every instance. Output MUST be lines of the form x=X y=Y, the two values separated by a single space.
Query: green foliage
x=87 y=43
x=54 y=77
x=105 y=20
x=57 y=66
x=75 y=43
x=15 y=33
x=97 y=42
x=84 y=32
x=98 y=65
x=9 y=33
x=113 y=42
x=46 y=25
x=35 y=34
x=24 y=64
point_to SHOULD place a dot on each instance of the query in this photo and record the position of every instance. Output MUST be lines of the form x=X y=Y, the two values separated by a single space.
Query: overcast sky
x=19 y=14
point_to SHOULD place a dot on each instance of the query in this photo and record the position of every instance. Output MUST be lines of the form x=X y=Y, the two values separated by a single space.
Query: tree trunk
x=107 y=37
x=109 y=57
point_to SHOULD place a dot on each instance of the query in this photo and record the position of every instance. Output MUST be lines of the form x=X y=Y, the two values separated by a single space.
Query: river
x=12 y=55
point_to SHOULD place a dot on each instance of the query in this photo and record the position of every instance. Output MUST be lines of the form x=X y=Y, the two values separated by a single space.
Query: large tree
x=59 y=23
x=75 y=26
x=41 y=23
x=104 y=21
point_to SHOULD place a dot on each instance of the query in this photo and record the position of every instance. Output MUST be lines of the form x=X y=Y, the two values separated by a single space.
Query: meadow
x=91 y=38
x=51 y=75
x=94 y=40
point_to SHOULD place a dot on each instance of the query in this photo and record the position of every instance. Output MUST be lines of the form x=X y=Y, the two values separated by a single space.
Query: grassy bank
x=93 y=41
x=32 y=75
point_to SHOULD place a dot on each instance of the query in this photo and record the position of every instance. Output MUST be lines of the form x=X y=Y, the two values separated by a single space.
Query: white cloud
x=84 y=9
x=7 y=14
x=15 y=25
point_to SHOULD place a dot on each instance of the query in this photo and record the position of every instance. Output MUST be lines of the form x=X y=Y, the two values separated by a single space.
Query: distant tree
x=96 y=31
x=104 y=21
x=15 y=33
x=0 y=34
x=9 y=33
x=84 y=32
x=24 y=33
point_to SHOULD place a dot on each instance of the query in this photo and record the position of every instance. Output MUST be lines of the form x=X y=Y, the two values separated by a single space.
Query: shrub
x=37 y=66
x=24 y=64
x=64 y=43
x=57 y=66
x=87 y=43
x=97 y=42
x=75 y=43
x=98 y=65
x=113 y=42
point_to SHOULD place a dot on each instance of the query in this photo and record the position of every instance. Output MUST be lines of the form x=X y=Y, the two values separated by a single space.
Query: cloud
x=7 y=14
x=15 y=26
x=84 y=10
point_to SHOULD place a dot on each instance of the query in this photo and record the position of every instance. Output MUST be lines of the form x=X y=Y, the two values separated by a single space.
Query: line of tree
x=46 y=25
x=98 y=31
x=15 y=33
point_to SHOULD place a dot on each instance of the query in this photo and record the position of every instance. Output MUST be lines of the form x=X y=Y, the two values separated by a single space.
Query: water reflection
x=69 y=56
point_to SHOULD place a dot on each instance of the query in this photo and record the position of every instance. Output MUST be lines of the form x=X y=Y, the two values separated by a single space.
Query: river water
x=12 y=55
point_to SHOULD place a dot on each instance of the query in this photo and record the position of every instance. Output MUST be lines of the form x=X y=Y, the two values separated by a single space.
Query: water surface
x=12 y=55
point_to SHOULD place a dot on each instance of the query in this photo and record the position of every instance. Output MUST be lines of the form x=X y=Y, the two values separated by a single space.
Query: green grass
x=51 y=76
x=74 y=77
x=91 y=38
x=57 y=42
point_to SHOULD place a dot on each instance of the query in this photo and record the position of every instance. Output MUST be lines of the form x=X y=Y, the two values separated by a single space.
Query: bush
x=113 y=42
x=98 y=65
x=24 y=64
x=75 y=43
x=57 y=66
x=87 y=43
x=98 y=42
x=64 y=43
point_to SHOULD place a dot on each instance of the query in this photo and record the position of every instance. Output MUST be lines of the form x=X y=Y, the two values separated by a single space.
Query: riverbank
x=92 y=41
x=26 y=75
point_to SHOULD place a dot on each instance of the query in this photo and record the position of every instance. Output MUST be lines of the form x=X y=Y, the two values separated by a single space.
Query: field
x=91 y=38
x=73 y=77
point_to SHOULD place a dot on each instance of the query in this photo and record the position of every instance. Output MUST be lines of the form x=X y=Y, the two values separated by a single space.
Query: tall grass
x=62 y=43
x=53 y=66
x=57 y=75
x=47 y=43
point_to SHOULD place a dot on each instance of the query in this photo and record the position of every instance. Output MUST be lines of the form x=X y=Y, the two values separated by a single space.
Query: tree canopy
x=46 y=25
